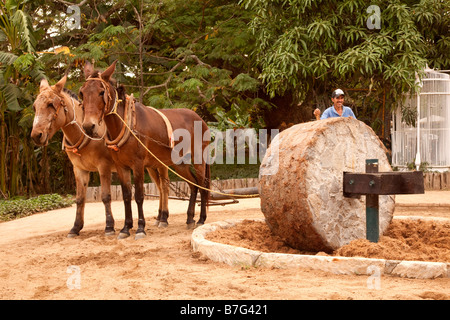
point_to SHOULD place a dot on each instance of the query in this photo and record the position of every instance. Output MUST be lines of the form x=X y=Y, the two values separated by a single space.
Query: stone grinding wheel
x=301 y=183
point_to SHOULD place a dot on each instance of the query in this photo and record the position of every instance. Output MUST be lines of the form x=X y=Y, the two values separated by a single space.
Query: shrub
x=18 y=208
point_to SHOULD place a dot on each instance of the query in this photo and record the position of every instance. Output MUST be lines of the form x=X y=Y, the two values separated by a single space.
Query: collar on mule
x=129 y=123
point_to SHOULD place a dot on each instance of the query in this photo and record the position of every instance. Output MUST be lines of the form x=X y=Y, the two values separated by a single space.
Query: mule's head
x=49 y=116
x=98 y=96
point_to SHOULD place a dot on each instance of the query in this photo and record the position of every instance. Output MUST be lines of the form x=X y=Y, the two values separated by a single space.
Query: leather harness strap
x=168 y=127
x=130 y=119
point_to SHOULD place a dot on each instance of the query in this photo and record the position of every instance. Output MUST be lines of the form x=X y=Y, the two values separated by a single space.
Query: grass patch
x=17 y=208
x=234 y=171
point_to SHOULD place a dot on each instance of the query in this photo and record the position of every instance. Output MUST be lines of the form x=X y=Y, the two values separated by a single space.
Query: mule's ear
x=44 y=84
x=88 y=69
x=60 y=84
x=106 y=75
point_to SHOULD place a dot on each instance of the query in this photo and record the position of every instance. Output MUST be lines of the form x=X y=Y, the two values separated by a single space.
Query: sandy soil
x=39 y=262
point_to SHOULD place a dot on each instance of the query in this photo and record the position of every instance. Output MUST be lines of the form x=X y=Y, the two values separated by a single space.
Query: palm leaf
x=11 y=93
x=22 y=21
x=7 y=58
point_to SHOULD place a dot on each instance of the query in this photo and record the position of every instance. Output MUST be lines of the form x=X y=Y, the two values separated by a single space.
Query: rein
x=176 y=173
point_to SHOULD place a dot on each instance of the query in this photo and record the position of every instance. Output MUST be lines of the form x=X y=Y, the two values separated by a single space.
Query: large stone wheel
x=301 y=183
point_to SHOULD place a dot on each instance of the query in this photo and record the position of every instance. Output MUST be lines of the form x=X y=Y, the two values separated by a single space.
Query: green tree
x=18 y=69
x=247 y=64
x=308 y=48
x=176 y=54
x=172 y=53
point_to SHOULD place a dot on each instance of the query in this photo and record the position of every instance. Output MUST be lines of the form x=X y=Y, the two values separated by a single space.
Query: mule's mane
x=71 y=94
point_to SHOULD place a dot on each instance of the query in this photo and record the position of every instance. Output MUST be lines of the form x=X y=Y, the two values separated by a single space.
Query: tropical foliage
x=252 y=63
x=308 y=48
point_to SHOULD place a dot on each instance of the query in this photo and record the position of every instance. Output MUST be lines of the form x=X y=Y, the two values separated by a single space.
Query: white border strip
x=237 y=256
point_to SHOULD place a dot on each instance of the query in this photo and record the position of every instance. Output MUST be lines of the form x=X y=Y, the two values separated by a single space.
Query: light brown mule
x=103 y=102
x=56 y=108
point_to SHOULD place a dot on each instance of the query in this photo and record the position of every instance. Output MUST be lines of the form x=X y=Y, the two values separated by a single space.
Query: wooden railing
x=178 y=188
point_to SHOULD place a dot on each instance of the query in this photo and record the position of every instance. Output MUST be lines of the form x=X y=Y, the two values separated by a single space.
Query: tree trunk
x=3 y=154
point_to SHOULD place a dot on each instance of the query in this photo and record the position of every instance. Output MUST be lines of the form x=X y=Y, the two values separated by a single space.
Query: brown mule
x=104 y=102
x=57 y=108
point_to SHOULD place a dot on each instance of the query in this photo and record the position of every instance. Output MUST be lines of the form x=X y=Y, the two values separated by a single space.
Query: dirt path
x=39 y=262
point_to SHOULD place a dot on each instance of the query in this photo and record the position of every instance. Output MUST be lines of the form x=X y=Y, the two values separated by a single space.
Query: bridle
x=129 y=115
x=124 y=134
x=107 y=97
x=61 y=103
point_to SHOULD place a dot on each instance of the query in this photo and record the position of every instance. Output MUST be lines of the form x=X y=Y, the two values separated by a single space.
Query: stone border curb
x=422 y=205
x=237 y=256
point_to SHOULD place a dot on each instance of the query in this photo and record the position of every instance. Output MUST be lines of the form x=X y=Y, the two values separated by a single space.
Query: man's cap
x=337 y=93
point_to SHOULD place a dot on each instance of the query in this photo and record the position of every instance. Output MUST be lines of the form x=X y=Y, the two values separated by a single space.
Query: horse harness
x=129 y=119
x=83 y=141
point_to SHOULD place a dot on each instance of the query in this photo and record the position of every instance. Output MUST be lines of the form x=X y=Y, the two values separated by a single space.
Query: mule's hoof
x=123 y=235
x=72 y=235
x=110 y=233
x=156 y=224
x=139 y=235
x=163 y=225
x=199 y=224
x=190 y=226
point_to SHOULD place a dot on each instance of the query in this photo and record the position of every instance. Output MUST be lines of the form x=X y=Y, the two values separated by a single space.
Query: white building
x=430 y=108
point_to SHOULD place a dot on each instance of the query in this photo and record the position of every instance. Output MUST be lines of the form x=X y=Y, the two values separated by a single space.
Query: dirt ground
x=38 y=261
x=416 y=240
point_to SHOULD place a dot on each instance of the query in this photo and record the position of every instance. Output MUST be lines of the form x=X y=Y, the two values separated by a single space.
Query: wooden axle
x=374 y=183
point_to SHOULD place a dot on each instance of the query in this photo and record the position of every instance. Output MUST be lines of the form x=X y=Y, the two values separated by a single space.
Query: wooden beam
x=383 y=183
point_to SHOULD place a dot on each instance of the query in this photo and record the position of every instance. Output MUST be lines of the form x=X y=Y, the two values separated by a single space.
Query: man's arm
x=350 y=113
x=317 y=113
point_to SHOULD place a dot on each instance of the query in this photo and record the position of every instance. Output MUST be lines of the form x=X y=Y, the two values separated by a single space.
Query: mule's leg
x=190 y=222
x=203 y=174
x=164 y=197
x=184 y=170
x=138 y=172
x=125 y=182
x=82 y=180
x=105 y=180
x=203 y=177
x=156 y=179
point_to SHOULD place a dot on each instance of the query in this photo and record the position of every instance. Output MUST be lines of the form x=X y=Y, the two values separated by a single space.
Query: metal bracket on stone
x=374 y=183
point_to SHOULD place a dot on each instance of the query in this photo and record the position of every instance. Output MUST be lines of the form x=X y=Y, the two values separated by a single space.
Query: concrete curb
x=237 y=256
